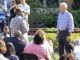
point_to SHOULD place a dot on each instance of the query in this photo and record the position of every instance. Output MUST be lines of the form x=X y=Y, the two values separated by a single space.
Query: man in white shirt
x=26 y=9
x=19 y=23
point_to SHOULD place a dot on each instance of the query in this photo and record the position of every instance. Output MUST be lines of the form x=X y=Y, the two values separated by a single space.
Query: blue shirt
x=2 y=16
x=65 y=21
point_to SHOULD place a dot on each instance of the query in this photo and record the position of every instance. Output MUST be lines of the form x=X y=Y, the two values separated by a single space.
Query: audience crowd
x=14 y=42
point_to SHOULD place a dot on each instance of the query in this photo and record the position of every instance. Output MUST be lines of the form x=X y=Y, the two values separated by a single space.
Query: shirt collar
x=63 y=12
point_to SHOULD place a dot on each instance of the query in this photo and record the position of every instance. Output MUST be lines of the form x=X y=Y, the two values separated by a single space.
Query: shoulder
x=27 y=5
x=68 y=13
x=17 y=18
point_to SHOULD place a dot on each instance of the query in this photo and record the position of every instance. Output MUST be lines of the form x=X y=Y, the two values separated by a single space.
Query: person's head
x=39 y=37
x=68 y=57
x=23 y=1
x=13 y=2
x=63 y=7
x=18 y=11
x=10 y=49
x=2 y=46
x=77 y=42
x=69 y=48
x=17 y=34
x=6 y=29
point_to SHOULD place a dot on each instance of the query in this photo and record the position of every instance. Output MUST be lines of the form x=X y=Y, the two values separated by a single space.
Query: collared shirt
x=18 y=23
x=65 y=21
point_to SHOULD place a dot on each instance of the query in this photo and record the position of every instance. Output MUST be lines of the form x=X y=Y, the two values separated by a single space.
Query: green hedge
x=52 y=36
x=49 y=19
x=76 y=15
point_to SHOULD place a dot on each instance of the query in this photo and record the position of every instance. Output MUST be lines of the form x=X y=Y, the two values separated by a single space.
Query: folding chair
x=26 y=56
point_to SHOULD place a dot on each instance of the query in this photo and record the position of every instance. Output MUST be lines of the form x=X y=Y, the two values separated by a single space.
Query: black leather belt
x=63 y=30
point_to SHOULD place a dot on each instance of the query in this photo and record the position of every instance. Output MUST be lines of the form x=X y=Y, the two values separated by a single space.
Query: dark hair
x=69 y=48
x=10 y=49
x=17 y=34
x=39 y=37
x=62 y=57
x=70 y=56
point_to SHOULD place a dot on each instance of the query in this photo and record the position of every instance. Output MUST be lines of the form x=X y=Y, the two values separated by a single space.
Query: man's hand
x=69 y=33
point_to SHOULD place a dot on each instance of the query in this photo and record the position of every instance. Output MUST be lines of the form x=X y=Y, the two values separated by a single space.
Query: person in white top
x=26 y=9
x=77 y=48
x=2 y=50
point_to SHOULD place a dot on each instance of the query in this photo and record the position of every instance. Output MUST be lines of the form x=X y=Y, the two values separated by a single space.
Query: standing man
x=18 y=23
x=26 y=9
x=65 y=26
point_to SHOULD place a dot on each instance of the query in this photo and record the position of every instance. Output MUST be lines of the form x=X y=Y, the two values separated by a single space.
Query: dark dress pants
x=62 y=40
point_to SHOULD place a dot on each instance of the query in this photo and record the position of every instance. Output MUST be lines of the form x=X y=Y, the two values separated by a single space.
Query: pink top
x=39 y=50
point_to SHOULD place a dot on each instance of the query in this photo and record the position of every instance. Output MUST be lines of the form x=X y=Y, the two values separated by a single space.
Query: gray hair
x=65 y=4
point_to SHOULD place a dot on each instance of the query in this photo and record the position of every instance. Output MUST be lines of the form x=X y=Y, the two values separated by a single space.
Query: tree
x=76 y=4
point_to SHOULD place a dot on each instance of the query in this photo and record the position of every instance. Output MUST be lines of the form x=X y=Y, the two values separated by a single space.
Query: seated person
x=77 y=48
x=10 y=53
x=5 y=32
x=69 y=48
x=2 y=50
x=39 y=46
x=18 y=44
x=69 y=56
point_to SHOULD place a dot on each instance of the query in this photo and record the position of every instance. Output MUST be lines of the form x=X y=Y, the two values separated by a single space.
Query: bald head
x=63 y=7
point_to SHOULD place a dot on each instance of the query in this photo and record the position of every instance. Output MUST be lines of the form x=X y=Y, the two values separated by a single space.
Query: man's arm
x=23 y=26
x=71 y=23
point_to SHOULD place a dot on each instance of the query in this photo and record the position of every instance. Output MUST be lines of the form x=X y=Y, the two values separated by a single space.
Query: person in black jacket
x=17 y=42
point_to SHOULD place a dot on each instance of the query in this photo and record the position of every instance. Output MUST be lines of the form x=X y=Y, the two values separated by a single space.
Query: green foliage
x=76 y=4
x=34 y=3
x=49 y=19
x=74 y=36
x=76 y=14
x=52 y=36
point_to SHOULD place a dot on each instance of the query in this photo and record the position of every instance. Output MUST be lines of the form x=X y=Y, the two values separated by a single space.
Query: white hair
x=65 y=4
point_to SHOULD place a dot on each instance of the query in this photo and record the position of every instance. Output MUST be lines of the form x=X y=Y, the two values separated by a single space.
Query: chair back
x=26 y=56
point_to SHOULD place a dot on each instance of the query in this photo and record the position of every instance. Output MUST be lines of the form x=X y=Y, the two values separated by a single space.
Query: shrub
x=76 y=4
x=52 y=36
x=48 y=19
x=34 y=4
x=76 y=14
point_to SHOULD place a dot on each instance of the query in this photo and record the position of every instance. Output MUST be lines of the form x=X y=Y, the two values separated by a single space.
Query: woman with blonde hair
x=2 y=50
